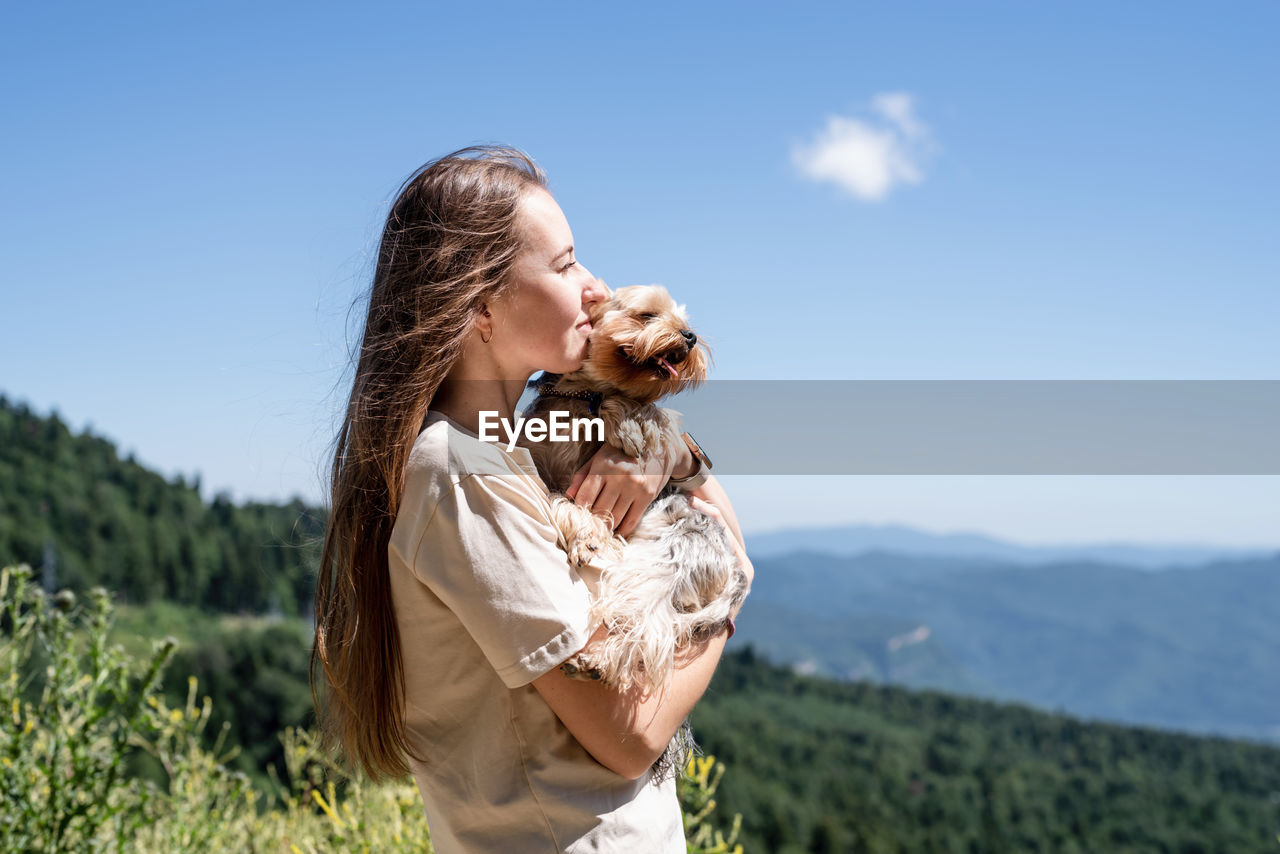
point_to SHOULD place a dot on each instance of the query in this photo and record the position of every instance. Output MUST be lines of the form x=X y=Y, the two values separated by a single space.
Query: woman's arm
x=626 y=731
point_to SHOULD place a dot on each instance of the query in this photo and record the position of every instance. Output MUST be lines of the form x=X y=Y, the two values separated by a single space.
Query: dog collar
x=593 y=398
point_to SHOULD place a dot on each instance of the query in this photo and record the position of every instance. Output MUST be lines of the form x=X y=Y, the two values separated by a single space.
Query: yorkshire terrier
x=675 y=580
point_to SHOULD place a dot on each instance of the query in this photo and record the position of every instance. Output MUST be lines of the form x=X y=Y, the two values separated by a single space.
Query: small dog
x=676 y=579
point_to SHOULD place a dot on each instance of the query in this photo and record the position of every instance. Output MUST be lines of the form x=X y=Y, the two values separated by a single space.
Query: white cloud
x=897 y=108
x=869 y=158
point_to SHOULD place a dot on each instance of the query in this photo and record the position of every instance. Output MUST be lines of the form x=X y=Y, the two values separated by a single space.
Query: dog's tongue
x=668 y=366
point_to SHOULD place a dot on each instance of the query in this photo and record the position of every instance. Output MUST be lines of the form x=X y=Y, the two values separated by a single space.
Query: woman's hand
x=716 y=512
x=623 y=487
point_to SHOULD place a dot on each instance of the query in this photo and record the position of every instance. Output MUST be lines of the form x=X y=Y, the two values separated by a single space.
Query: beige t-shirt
x=486 y=602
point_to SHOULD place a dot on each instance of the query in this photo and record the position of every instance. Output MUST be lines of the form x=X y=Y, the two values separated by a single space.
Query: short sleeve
x=491 y=554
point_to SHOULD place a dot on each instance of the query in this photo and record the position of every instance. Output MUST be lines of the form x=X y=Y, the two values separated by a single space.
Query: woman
x=444 y=606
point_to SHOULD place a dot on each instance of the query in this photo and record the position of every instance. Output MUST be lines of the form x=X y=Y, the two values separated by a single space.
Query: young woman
x=444 y=606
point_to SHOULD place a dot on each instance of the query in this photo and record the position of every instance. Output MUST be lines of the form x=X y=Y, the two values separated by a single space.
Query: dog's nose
x=689 y=337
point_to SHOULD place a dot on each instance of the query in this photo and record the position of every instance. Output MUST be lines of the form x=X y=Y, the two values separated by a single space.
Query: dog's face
x=641 y=345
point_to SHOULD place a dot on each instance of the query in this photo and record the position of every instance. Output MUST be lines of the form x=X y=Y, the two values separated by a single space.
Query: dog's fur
x=676 y=579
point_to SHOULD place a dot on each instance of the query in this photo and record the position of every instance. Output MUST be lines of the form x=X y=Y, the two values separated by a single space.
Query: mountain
x=71 y=505
x=871 y=647
x=1190 y=649
x=848 y=540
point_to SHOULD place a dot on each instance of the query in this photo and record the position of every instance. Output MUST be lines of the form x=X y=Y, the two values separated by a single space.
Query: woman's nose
x=595 y=291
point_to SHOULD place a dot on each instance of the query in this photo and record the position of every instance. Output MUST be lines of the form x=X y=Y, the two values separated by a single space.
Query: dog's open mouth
x=663 y=364
x=667 y=366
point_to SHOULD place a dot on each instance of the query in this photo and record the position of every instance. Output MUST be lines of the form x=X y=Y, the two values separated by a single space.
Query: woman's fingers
x=706 y=507
x=574 y=485
x=589 y=493
x=599 y=494
x=614 y=501
x=631 y=520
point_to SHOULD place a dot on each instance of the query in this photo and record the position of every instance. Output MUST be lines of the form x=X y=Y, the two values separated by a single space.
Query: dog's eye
x=647 y=315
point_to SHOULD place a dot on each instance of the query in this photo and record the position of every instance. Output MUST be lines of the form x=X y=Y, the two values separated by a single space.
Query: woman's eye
x=567 y=266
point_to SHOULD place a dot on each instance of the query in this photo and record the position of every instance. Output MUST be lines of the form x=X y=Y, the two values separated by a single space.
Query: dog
x=676 y=579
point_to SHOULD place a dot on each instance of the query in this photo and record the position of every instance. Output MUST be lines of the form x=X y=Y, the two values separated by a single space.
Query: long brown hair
x=448 y=247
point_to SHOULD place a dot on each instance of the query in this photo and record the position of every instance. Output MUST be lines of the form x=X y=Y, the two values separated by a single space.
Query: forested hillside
x=824 y=766
x=816 y=765
x=111 y=521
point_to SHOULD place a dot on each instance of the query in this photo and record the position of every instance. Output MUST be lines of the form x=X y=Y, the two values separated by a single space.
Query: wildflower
x=324 y=805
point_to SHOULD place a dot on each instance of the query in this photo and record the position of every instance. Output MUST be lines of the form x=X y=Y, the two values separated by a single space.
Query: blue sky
x=878 y=191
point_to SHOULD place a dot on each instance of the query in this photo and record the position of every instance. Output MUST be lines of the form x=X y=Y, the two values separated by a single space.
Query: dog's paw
x=596 y=547
x=580 y=554
x=577 y=667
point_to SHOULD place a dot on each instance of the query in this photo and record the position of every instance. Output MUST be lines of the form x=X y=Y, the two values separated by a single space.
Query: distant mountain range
x=1190 y=649
x=857 y=539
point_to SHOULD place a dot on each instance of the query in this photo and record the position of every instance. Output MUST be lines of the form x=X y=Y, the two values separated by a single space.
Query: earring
x=487 y=340
x=484 y=309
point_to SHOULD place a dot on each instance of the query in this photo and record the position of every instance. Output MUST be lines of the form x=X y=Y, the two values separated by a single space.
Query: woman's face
x=541 y=322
